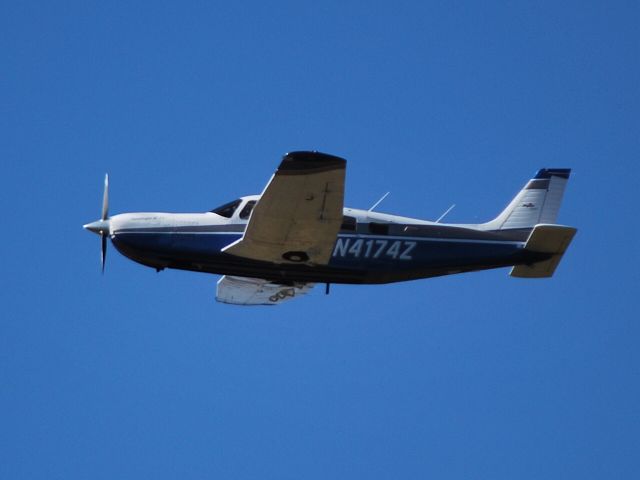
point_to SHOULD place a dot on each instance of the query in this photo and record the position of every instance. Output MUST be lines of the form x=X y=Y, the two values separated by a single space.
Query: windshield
x=227 y=209
x=246 y=211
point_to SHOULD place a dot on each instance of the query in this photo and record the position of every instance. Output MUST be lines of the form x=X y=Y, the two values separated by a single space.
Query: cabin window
x=348 y=223
x=246 y=211
x=379 y=228
x=227 y=210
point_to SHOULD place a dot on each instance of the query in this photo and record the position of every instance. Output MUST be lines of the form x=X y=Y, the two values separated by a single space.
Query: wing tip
x=305 y=162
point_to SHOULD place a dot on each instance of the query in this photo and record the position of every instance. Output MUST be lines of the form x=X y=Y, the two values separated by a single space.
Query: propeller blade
x=103 y=252
x=105 y=198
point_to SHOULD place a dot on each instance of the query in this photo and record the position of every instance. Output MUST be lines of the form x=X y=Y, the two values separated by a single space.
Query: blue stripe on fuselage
x=175 y=244
x=411 y=253
x=351 y=251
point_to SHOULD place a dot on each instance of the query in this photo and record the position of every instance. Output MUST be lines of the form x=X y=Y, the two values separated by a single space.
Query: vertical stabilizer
x=538 y=202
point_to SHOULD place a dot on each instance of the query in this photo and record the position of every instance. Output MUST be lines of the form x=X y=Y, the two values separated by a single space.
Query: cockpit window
x=246 y=211
x=227 y=209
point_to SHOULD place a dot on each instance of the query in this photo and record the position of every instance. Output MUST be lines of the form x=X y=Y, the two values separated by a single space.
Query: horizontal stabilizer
x=553 y=239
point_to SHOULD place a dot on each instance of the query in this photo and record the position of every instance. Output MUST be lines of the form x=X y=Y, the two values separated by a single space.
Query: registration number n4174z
x=374 y=248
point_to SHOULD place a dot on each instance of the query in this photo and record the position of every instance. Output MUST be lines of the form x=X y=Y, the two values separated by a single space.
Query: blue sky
x=187 y=105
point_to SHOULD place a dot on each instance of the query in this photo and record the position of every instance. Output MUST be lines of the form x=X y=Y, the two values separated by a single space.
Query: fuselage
x=371 y=247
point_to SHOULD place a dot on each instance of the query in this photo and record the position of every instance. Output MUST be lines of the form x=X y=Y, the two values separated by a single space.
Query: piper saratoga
x=276 y=246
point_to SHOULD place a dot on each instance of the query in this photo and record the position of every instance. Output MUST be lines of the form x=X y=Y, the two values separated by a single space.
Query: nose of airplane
x=101 y=227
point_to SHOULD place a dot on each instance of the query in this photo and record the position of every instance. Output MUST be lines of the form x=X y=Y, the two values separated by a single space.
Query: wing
x=256 y=291
x=299 y=214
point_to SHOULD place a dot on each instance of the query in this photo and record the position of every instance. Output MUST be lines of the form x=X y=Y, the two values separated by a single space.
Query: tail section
x=538 y=202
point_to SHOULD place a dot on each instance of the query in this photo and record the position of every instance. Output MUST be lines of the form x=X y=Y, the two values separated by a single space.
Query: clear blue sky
x=187 y=105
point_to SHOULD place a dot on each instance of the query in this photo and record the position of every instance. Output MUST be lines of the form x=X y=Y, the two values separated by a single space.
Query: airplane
x=276 y=246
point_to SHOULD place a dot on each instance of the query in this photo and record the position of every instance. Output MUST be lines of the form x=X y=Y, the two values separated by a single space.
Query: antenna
x=379 y=201
x=445 y=213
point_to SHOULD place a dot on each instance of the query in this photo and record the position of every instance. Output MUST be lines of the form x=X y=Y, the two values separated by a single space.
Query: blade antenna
x=379 y=201
x=445 y=213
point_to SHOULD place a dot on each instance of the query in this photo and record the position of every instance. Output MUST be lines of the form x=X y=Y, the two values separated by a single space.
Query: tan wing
x=299 y=214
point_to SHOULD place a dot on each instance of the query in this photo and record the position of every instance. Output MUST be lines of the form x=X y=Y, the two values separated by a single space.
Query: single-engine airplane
x=275 y=246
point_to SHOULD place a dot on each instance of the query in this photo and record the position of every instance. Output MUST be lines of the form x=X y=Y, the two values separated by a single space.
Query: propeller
x=105 y=198
x=102 y=226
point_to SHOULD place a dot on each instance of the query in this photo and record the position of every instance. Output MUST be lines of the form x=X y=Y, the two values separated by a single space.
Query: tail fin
x=538 y=202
